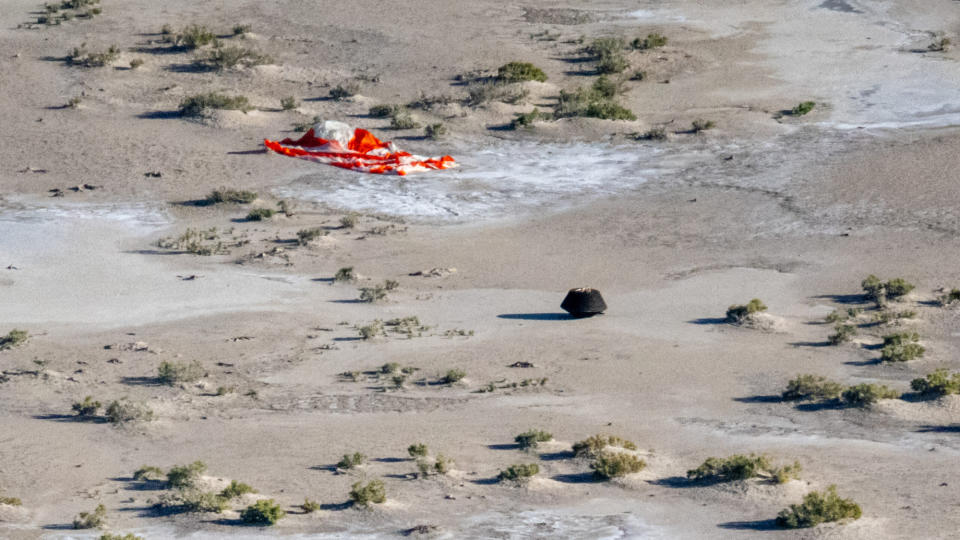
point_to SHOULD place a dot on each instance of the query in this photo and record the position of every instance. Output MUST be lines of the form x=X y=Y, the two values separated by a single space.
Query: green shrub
x=80 y=56
x=812 y=387
x=344 y=90
x=371 y=330
x=352 y=461
x=652 y=41
x=519 y=472
x=192 y=500
x=593 y=446
x=608 y=110
x=147 y=473
x=241 y=29
x=441 y=464
x=483 y=92
x=260 y=214
x=950 y=297
x=417 y=450
x=657 y=133
x=736 y=314
x=590 y=103
x=453 y=376
x=91 y=520
x=879 y=291
x=520 y=71
x=901 y=347
x=803 y=108
x=373 y=492
x=782 y=475
x=309 y=506
x=938 y=383
x=11 y=501
x=200 y=104
x=525 y=119
x=227 y=57
x=898 y=287
x=700 y=124
x=435 y=131
x=741 y=467
x=866 y=394
x=305 y=236
x=402 y=119
x=87 y=407
x=135 y=63
x=606 y=87
x=186 y=476
x=941 y=44
x=262 y=512
x=236 y=489
x=816 y=508
x=609 y=55
x=615 y=464
x=345 y=274
x=14 y=338
x=124 y=411
x=532 y=438
x=173 y=373
x=228 y=195
x=128 y=536
x=194 y=36
x=384 y=111
x=373 y=294
x=843 y=334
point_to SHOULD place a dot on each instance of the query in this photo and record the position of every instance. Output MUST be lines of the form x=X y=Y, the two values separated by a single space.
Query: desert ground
x=274 y=381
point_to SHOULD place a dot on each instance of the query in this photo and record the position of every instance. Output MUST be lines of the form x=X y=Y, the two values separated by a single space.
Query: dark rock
x=584 y=302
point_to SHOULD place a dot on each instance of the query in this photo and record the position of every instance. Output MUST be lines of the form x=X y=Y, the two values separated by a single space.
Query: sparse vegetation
x=186 y=476
x=652 y=41
x=526 y=119
x=201 y=104
x=135 y=63
x=173 y=373
x=879 y=291
x=229 y=195
x=192 y=500
x=816 y=508
x=608 y=53
x=842 y=334
x=14 y=338
x=204 y=243
x=479 y=93
x=812 y=387
x=262 y=512
x=235 y=490
x=616 y=464
x=128 y=536
x=371 y=330
x=737 y=314
x=803 y=108
x=519 y=472
x=351 y=461
x=519 y=72
x=937 y=383
x=260 y=214
x=453 y=376
x=383 y=111
x=87 y=407
x=435 y=131
x=91 y=520
x=700 y=124
x=417 y=450
x=373 y=294
x=940 y=44
x=193 y=36
x=305 y=236
x=345 y=275
x=742 y=467
x=402 y=119
x=241 y=29
x=657 y=133
x=592 y=104
x=309 y=506
x=532 y=438
x=348 y=221
x=901 y=347
x=148 y=473
x=951 y=296
x=223 y=57
x=593 y=446
x=80 y=56
x=866 y=394
x=124 y=411
x=344 y=90
x=372 y=492
x=289 y=103
x=11 y=501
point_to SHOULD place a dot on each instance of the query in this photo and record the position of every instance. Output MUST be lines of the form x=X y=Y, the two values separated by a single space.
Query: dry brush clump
x=519 y=72
x=373 y=492
x=91 y=520
x=222 y=57
x=818 y=507
x=740 y=314
x=531 y=439
x=820 y=389
x=880 y=291
x=593 y=446
x=743 y=467
x=80 y=56
x=351 y=461
x=938 y=383
x=125 y=411
x=901 y=347
x=86 y=408
x=520 y=472
x=14 y=338
x=613 y=464
x=262 y=512
x=173 y=373
x=201 y=104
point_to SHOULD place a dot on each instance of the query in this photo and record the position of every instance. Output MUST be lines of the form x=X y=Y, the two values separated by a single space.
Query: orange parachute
x=334 y=144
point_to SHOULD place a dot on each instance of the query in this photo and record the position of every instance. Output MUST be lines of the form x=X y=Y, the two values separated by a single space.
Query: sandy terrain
x=795 y=211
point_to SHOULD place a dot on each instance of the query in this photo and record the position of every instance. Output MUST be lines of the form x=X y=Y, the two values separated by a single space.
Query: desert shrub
x=383 y=111
x=194 y=36
x=224 y=390
x=939 y=45
x=479 y=93
x=200 y=104
x=803 y=108
x=741 y=467
x=135 y=63
x=289 y=103
x=898 y=287
x=816 y=508
x=240 y=29
x=950 y=297
x=309 y=506
x=453 y=376
x=371 y=493
x=228 y=195
x=87 y=407
x=74 y=102
x=185 y=476
x=406 y=325
x=352 y=461
x=260 y=214
x=262 y=512
x=615 y=464
x=124 y=411
x=843 y=333
x=128 y=536
x=594 y=445
x=608 y=53
x=192 y=500
x=607 y=88
x=532 y=438
x=91 y=520
x=345 y=274
x=227 y=57
x=700 y=124
x=812 y=387
x=11 y=501
x=435 y=131
x=194 y=241
x=901 y=347
x=390 y=284
x=166 y=30
x=344 y=90
x=300 y=127
x=402 y=119
x=373 y=294
x=590 y=103
x=441 y=464
x=866 y=394
x=148 y=472
x=608 y=110
x=305 y=236
x=652 y=41
x=371 y=330
x=519 y=472
x=736 y=314
x=520 y=71
x=236 y=489
x=417 y=450
x=879 y=291
x=525 y=119
x=840 y=315
x=180 y=372
x=80 y=56
x=390 y=368
x=938 y=383
x=657 y=133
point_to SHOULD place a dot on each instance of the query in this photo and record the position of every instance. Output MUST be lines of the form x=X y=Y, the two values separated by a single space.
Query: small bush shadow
x=391 y=460
x=503 y=446
x=810 y=344
x=336 y=507
x=844 y=298
x=770 y=398
x=536 y=316
x=557 y=456
x=830 y=405
x=870 y=362
x=757 y=525
x=141 y=381
x=954 y=428
x=486 y=481
x=71 y=418
x=676 y=482
x=714 y=320
x=160 y=115
x=328 y=468
x=577 y=478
